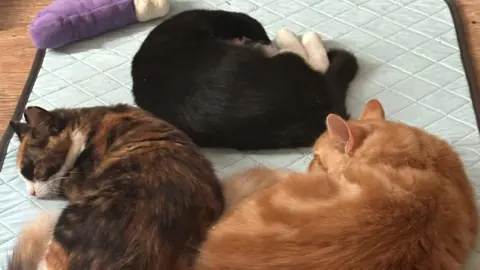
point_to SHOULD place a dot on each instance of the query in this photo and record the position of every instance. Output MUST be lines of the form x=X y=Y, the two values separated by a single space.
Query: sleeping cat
x=378 y=195
x=216 y=75
x=141 y=195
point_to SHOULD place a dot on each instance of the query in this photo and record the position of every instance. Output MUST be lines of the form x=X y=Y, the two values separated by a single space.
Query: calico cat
x=217 y=76
x=141 y=194
x=378 y=195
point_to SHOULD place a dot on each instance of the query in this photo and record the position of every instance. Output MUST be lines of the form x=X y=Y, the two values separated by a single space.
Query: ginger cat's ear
x=341 y=130
x=373 y=110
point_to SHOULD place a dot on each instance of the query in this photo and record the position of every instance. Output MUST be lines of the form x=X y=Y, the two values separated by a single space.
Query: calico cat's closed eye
x=27 y=169
x=57 y=126
x=45 y=170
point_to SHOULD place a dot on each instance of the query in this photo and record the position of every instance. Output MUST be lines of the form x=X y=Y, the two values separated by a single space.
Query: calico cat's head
x=373 y=140
x=43 y=156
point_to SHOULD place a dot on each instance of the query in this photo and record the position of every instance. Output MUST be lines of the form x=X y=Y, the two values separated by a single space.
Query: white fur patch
x=51 y=187
x=150 y=9
x=42 y=265
x=28 y=184
x=317 y=55
x=269 y=50
x=287 y=41
x=78 y=145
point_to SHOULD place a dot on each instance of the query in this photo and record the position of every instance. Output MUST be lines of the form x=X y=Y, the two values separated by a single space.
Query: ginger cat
x=378 y=195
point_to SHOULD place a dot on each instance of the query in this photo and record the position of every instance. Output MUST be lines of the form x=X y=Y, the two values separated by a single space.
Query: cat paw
x=269 y=50
x=311 y=37
x=317 y=55
x=287 y=41
x=285 y=32
x=285 y=38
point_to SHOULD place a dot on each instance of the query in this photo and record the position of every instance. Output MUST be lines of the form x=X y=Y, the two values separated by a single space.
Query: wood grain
x=470 y=10
x=17 y=51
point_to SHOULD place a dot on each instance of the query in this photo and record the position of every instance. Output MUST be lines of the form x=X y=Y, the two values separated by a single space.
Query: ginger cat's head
x=375 y=141
x=393 y=197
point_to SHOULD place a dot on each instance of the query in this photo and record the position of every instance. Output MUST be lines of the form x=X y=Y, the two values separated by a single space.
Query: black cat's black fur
x=226 y=95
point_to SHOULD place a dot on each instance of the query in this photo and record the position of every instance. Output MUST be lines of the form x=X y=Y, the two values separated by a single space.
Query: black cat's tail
x=32 y=244
x=342 y=70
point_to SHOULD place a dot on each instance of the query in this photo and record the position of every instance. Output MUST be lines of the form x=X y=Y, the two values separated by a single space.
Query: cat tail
x=342 y=69
x=244 y=184
x=32 y=244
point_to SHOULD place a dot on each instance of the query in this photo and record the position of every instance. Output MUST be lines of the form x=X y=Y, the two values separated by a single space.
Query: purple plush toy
x=67 y=21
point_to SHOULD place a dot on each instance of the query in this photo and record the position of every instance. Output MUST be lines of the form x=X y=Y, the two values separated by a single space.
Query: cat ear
x=36 y=115
x=20 y=129
x=373 y=110
x=341 y=130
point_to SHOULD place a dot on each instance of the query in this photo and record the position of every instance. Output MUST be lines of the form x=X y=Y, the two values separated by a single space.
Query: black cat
x=222 y=94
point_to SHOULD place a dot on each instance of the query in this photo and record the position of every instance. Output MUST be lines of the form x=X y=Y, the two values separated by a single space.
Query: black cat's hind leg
x=341 y=72
x=342 y=69
x=343 y=66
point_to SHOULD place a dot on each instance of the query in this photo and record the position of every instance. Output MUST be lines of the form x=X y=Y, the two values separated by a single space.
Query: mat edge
x=22 y=102
x=468 y=61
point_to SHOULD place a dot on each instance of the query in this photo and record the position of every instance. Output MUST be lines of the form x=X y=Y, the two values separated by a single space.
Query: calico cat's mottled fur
x=141 y=194
x=378 y=195
x=214 y=75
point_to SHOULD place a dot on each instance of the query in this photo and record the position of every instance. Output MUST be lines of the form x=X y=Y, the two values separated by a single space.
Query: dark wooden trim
x=22 y=102
x=467 y=60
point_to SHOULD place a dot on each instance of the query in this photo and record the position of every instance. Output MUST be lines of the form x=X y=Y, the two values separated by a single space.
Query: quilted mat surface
x=409 y=60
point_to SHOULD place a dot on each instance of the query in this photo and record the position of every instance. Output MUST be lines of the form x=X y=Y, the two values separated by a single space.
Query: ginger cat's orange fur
x=378 y=195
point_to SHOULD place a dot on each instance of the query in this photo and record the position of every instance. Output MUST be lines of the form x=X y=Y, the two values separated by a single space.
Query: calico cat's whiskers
x=49 y=189
x=52 y=187
x=120 y=190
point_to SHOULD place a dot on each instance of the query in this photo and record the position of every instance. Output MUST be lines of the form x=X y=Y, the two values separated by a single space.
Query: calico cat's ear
x=373 y=110
x=36 y=115
x=20 y=129
x=341 y=130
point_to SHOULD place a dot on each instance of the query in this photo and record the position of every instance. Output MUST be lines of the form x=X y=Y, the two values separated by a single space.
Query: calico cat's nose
x=32 y=193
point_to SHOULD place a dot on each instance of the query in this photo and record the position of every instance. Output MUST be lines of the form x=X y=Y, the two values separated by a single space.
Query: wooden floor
x=17 y=51
x=470 y=10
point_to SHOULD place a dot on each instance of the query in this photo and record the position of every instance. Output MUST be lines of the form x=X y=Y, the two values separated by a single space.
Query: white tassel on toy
x=150 y=9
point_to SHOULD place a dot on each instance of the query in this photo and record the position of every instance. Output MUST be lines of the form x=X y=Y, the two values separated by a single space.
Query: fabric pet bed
x=67 y=21
x=409 y=59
